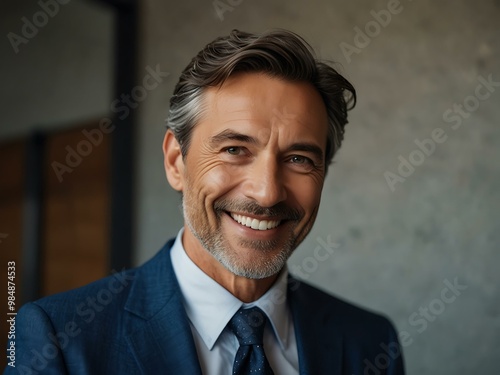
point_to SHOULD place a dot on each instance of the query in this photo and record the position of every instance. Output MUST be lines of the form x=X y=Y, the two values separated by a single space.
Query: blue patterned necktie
x=248 y=326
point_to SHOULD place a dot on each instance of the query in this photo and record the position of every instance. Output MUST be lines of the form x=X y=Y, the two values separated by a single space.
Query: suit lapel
x=159 y=334
x=319 y=352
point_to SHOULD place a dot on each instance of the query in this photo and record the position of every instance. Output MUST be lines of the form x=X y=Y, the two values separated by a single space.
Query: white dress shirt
x=210 y=307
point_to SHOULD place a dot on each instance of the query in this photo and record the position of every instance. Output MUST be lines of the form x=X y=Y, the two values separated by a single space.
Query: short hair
x=278 y=53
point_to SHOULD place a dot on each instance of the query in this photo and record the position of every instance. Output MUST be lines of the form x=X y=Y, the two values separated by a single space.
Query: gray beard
x=216 y=245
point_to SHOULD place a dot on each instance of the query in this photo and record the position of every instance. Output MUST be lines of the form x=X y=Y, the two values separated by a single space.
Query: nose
x=264 y=183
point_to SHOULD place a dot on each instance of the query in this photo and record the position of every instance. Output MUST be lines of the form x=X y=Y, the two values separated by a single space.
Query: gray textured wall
x=393 y=250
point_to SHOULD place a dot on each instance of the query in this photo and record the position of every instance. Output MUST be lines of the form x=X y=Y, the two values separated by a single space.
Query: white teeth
x=254 y=223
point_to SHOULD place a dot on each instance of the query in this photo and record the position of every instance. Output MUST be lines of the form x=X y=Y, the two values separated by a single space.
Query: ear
x=173 y=161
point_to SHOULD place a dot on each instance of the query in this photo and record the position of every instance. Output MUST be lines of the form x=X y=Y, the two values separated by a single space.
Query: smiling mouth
x=253 y=223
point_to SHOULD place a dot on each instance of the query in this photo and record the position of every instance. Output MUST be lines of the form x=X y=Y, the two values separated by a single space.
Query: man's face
x=253 y=174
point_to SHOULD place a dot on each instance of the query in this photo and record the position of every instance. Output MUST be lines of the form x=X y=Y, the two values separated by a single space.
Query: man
x=254 y=122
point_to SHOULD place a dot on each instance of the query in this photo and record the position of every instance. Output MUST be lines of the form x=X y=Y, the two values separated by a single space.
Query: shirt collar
x=209 y=306
x=274 y=305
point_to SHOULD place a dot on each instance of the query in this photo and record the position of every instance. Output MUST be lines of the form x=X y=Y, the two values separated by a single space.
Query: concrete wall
x=393 y=250
x=57 y=74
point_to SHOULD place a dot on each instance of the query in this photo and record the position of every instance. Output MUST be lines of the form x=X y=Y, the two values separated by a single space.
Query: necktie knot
x=248 y=326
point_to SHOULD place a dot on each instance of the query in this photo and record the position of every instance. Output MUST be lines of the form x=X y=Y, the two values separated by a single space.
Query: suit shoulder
x=109 y=290
x=70 y=323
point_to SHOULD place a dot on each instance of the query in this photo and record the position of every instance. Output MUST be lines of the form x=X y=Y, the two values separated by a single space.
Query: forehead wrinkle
x=234 y=114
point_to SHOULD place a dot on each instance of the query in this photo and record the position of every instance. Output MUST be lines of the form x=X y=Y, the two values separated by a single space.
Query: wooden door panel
x=76 y=208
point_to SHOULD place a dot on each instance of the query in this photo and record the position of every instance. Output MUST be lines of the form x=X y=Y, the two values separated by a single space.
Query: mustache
x=280 y=210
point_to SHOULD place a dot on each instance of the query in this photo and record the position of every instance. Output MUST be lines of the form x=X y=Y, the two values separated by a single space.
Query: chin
x=258 y=265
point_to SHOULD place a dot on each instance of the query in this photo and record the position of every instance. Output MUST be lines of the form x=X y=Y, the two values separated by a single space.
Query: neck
x=245 y=289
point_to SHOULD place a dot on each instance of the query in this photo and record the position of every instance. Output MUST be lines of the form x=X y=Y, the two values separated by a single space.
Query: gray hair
x=278 y=53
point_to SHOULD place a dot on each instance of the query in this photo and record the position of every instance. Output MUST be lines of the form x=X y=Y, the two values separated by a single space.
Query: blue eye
x=233 y=150
x=297 y=159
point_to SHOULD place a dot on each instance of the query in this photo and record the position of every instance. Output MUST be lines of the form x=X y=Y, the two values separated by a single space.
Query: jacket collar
x=159 y=335
x=318 y=354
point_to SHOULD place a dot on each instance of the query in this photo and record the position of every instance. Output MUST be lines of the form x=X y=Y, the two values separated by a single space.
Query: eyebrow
x=231 y=135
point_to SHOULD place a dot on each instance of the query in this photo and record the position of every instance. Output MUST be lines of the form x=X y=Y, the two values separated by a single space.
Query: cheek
x=308 y=195
x=217 y=178
x=214 y=180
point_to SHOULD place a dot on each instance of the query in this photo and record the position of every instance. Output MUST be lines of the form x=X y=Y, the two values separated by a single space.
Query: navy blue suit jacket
x=134 y=322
